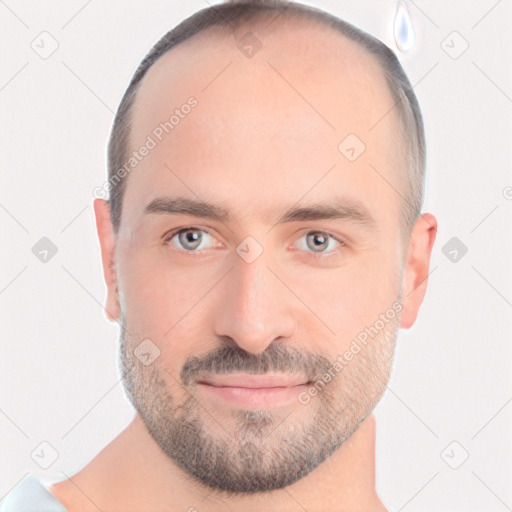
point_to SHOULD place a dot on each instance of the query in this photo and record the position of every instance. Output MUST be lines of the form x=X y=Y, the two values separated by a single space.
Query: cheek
x=345 y=300
x=160 y=300
x=145 y=294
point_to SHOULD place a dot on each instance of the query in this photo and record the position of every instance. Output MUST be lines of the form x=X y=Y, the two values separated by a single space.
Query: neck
x=132 y=473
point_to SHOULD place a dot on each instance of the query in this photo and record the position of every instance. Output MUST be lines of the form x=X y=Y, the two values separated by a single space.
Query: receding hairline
x=287 y=20
x=342 y=55
x=205 y=24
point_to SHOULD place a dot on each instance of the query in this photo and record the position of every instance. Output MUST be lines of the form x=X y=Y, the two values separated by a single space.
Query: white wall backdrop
x=445 y=423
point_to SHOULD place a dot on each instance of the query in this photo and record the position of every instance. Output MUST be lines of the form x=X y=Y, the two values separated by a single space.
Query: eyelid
x=171 y=234
x=333 y=252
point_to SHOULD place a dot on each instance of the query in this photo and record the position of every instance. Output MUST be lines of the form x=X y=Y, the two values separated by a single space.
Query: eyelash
x=316 y=255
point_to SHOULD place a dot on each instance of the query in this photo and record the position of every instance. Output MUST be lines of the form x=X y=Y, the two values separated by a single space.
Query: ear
x=107 y=241
x=416 y=267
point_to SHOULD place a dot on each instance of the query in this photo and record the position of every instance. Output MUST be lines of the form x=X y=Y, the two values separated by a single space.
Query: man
x=261 y=246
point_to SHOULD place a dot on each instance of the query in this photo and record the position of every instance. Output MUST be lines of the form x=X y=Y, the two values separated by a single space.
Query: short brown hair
x=237 y=12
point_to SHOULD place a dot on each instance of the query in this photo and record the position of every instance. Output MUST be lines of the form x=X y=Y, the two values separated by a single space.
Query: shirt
x=31 y=495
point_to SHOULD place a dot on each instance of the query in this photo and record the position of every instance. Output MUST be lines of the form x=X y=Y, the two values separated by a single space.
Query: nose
x=254 y=309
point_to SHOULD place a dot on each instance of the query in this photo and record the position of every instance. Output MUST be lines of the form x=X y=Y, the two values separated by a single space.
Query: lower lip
x=254 y=397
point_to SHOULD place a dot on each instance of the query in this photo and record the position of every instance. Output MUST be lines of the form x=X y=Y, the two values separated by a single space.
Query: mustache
x=277 y=358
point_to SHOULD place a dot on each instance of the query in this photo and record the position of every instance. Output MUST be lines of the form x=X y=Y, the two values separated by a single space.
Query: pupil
x=319 y=241
x=190 y=239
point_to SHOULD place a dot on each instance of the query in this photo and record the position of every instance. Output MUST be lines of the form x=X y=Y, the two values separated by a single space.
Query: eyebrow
x=338 y=208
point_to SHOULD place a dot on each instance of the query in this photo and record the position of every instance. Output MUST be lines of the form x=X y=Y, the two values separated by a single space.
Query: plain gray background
x=451 y=393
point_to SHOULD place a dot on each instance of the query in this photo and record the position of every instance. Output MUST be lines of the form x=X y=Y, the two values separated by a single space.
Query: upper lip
x=245 y=380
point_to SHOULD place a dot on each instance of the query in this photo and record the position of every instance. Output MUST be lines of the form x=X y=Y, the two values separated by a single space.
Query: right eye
x=190 y=239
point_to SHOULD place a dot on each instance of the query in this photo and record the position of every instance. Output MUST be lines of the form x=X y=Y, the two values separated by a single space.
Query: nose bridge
x=252 y=287
x=252 y=313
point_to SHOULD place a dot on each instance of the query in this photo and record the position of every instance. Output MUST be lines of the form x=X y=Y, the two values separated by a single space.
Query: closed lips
x=254 y=381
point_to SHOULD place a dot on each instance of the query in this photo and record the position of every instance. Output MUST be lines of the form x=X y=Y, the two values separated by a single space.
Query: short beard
x=265 y=451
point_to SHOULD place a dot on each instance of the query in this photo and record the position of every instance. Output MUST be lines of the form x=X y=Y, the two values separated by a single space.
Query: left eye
x=318 y=241
x=191 y=239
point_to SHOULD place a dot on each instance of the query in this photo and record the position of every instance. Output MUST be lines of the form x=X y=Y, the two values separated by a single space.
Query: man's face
x=263 y=139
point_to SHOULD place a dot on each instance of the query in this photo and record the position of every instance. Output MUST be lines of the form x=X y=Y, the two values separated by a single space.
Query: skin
x=257 y=151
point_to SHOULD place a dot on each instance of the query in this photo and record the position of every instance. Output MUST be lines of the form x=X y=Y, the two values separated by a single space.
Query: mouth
x=244 y=390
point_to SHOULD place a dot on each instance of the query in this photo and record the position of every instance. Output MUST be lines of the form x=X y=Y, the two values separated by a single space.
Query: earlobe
x=416 y=267
x=107 y=242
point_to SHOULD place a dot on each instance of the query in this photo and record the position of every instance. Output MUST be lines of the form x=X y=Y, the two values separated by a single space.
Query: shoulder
x=31 y=494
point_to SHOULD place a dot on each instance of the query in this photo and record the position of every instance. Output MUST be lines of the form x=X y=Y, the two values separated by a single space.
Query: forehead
x=270 y=123
x=339 y=80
